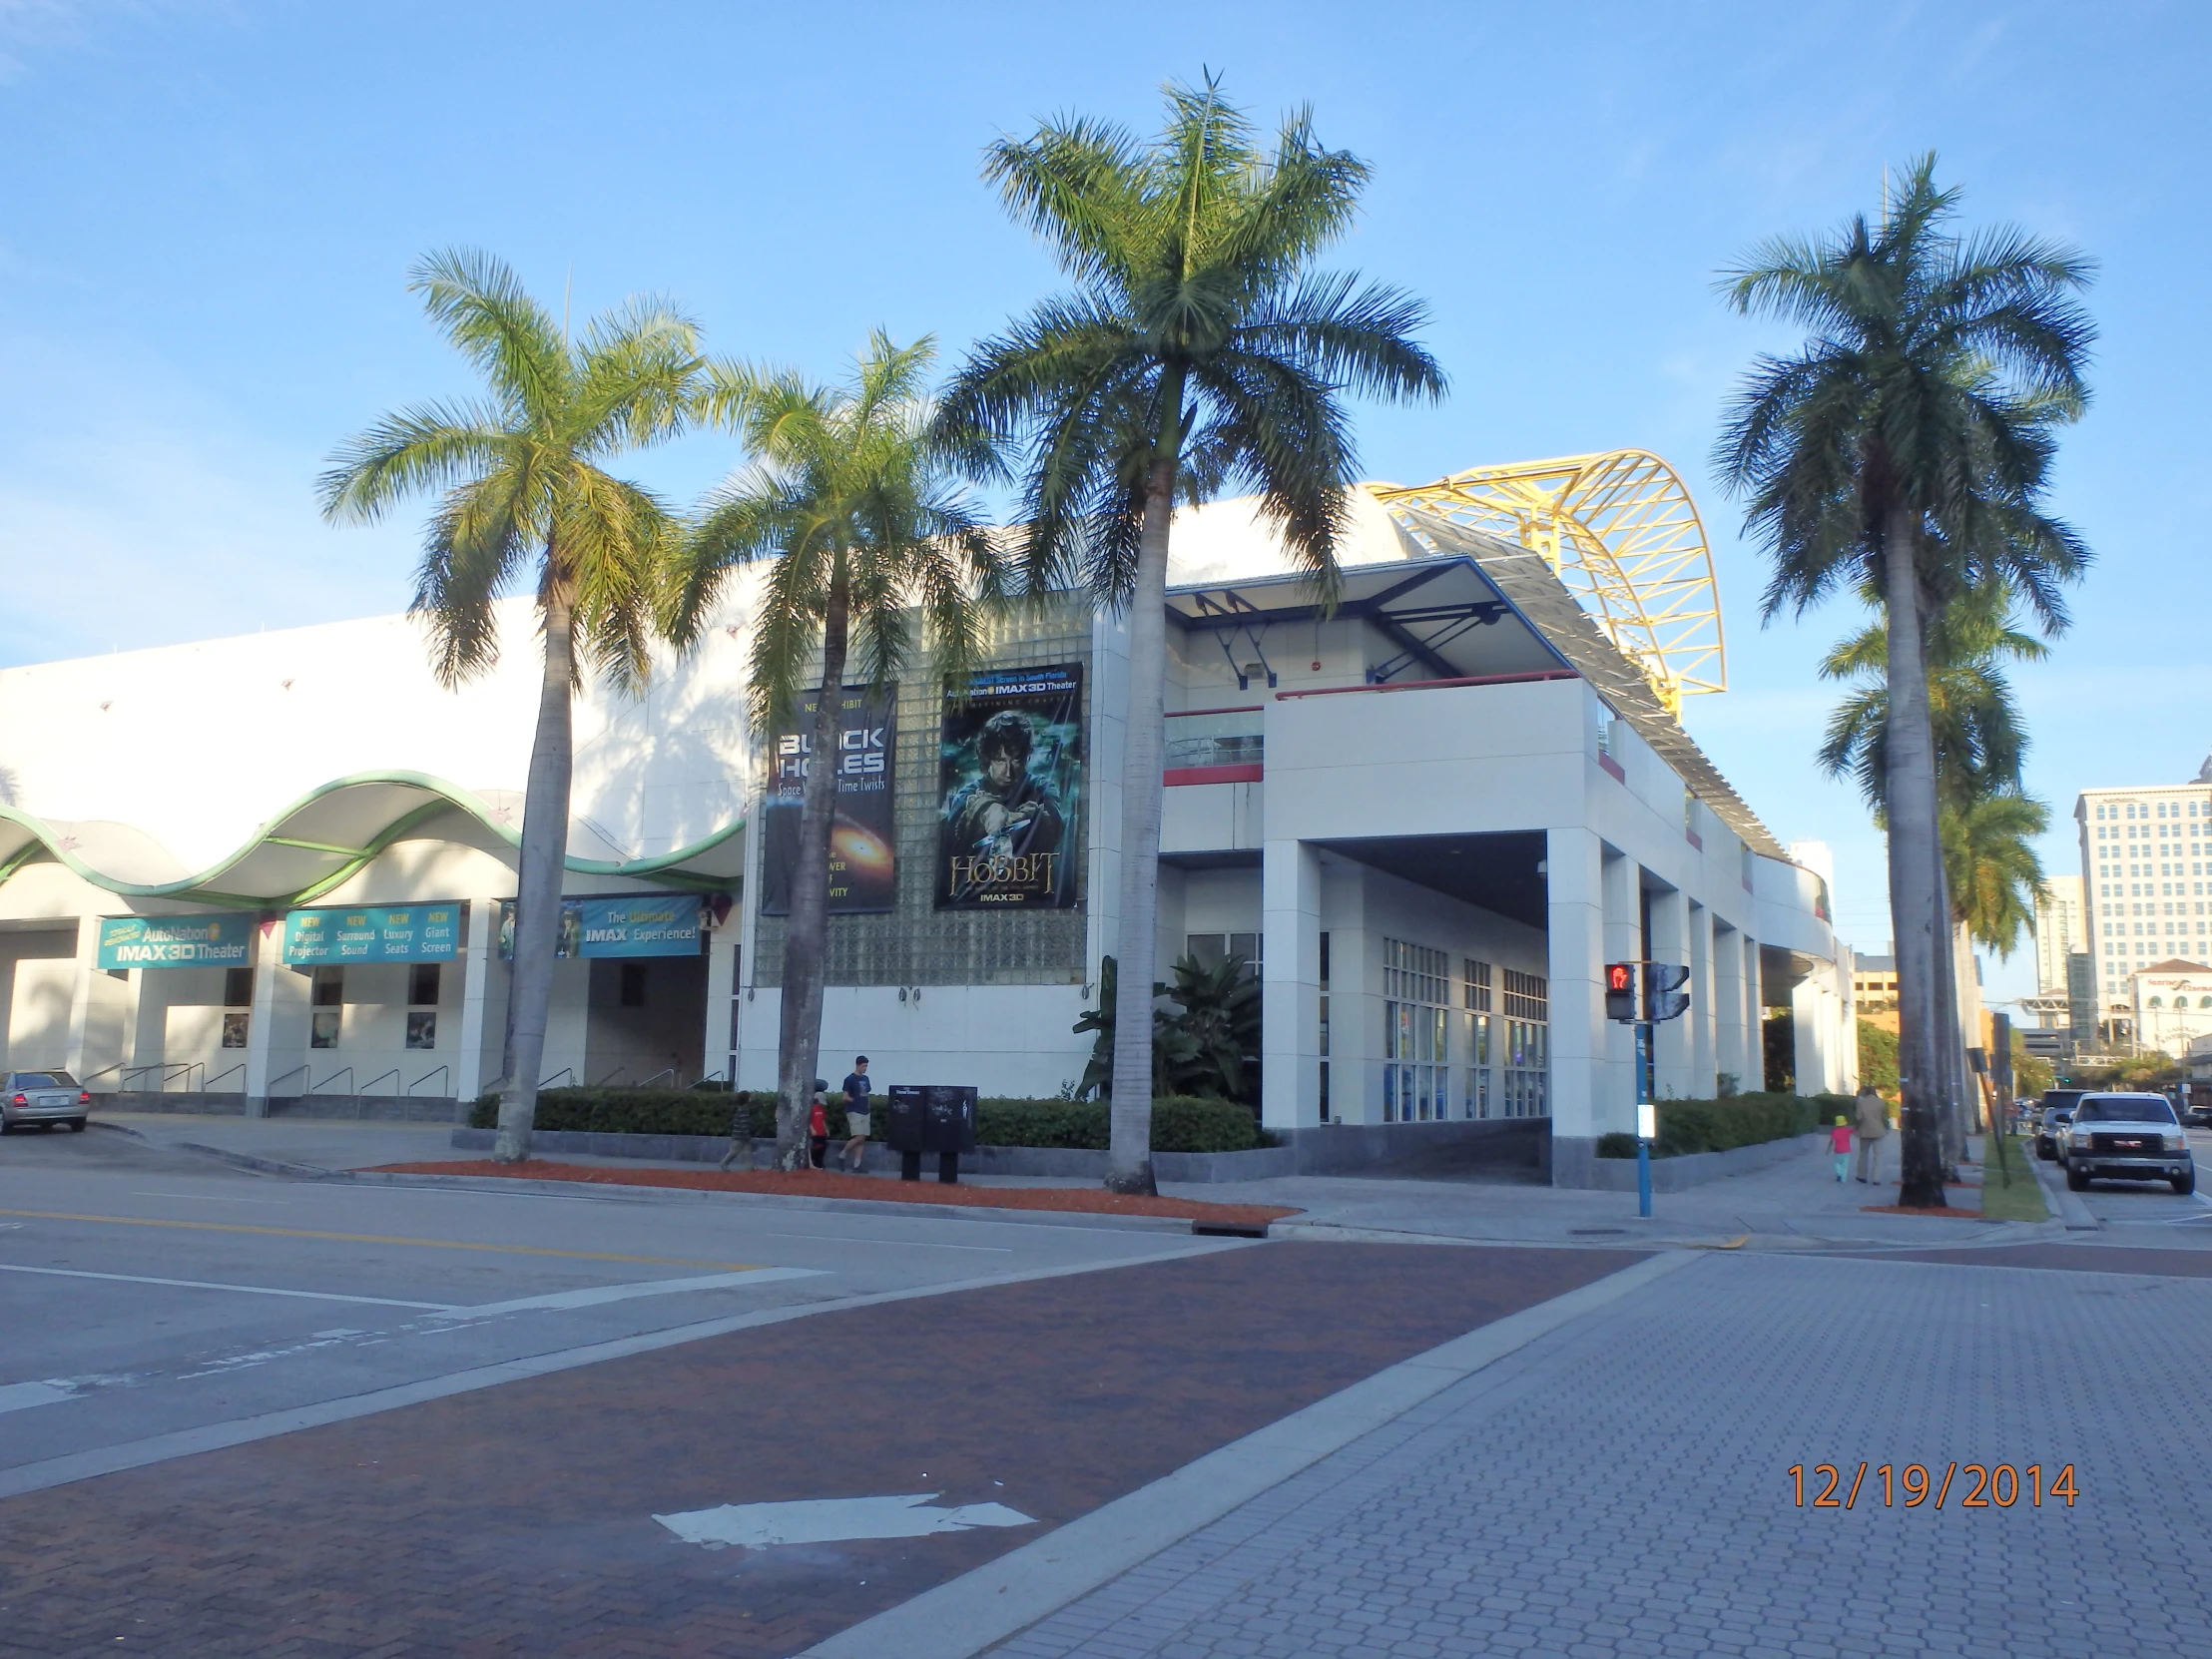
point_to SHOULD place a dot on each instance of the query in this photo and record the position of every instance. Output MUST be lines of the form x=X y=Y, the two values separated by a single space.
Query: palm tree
x=1995 y=875
x=860 y=516
x=523 y=492
x=1199 y=351
x=1905 y=448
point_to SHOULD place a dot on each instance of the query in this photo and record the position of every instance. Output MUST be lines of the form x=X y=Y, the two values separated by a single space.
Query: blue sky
x=211 y=206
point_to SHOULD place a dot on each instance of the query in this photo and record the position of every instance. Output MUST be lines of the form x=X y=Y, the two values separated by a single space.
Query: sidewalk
x=1794 y=1206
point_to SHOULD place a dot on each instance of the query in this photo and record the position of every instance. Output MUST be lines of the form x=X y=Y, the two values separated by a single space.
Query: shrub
x=1180 y=1123
x=1687 y=1126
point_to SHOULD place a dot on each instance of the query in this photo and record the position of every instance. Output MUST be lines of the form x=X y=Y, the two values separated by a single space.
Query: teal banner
x=374 y=934
x=656 y=926
x=175 y=941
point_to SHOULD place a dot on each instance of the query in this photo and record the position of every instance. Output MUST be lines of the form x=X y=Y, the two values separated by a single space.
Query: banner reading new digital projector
x=862 y=865
x=374 y=934
x=659 y=925
x=1010 y=759
x=174 y=941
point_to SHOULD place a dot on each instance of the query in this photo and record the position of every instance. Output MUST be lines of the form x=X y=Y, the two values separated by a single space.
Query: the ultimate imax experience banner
x=1010 y=780
x=862 y=867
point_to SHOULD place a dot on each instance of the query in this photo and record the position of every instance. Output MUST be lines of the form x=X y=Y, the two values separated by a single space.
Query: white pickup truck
x=2127 y=1137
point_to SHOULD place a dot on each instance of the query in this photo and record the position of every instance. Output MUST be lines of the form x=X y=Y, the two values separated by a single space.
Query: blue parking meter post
x=1647 y=1131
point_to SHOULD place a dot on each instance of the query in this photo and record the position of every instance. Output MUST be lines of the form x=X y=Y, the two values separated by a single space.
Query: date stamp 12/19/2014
x=1909 y=1486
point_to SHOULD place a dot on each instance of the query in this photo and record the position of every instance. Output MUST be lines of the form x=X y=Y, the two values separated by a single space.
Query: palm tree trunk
x=806 y=939
x=1918 y=915
x=538 y=886
x=1144 y=741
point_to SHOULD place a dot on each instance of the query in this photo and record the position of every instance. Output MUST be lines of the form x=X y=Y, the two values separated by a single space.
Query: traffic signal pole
x=1641 y=996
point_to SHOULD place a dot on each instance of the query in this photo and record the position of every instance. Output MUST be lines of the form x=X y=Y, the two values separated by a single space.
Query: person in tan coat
x=1874 y=1126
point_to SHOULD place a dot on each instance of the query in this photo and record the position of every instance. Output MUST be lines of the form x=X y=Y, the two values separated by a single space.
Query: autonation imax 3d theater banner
x=657 y=927
x=374 y=934
x=175 y=941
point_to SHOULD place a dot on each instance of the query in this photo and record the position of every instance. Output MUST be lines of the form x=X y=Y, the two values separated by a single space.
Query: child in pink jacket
x=1839 y=1142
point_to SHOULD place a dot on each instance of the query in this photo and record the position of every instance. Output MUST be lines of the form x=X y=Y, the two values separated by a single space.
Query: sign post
x=1644 y=995
x=1647 y=1131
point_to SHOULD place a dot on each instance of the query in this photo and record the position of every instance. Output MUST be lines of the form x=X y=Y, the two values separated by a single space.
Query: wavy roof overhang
x=324 y=838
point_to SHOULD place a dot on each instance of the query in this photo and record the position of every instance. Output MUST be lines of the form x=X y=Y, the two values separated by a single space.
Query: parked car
x=2058 y=1105
x=2199 y=1117
x=2127 y=1137
x=42 y=1097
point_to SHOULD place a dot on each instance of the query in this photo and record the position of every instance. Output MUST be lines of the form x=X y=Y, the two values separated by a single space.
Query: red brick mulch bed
x=822 y=1184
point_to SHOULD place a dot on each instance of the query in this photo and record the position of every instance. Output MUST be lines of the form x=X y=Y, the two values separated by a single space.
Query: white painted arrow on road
x=825 y=1521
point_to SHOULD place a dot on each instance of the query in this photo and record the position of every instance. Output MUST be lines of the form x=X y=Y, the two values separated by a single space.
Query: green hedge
x=1687 y=1126
x=1180 y=1123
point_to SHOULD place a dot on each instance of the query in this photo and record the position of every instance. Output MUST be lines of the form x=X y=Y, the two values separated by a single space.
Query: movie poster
x=1010 y=782
x=861 y=839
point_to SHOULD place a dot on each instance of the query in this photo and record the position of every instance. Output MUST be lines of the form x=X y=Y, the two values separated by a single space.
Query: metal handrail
x=568 y=1072
x=369 y=1087
x=609 y=1078
x=666 y=1071
x=185 y=1069
x=207 y=1085
x=346 y=1072
x=130 y=1072
x=447 y=1071
x=102 y=1072
x=273 y=1081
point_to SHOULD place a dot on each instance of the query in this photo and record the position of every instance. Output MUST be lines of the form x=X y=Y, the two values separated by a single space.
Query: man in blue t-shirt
x=856 y=1091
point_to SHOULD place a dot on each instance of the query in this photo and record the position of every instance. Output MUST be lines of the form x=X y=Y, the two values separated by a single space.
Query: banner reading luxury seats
x=862 y=864
x=1010 y=761
x=174 y=941
x=374 y=934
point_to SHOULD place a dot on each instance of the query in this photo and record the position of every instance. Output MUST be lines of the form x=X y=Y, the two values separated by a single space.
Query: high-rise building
x=2145 y=855
x=2061 y=928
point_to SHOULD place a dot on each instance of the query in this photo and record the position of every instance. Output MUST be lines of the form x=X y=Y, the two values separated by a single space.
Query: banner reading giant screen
x=654 y=926
x=861 y=840
x=374 y=934
x=174 y=941
x=1010 y=782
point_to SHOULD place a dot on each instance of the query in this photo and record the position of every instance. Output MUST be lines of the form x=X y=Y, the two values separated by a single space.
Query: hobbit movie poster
x=861 y=863
x=1012 y=782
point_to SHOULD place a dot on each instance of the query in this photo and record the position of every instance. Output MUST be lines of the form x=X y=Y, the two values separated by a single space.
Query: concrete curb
x=2065 y=1203
x=1001 y=1598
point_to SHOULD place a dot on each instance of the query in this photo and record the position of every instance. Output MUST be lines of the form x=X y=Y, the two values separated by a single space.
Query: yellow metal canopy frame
x=1621 y=532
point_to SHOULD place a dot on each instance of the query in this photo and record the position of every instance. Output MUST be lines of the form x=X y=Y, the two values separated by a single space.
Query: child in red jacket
x=1839 y=1142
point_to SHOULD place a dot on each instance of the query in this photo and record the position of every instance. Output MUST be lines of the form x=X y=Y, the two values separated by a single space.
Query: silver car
x=42 y=1097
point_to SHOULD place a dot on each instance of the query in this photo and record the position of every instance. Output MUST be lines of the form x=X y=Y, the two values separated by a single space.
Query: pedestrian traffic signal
x=1620 y=992
x=1664 y=997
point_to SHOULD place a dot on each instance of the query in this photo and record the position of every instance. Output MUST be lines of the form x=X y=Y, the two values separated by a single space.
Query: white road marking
x=206 y=1285
x=894 y=1243
x=20 y=1396
x=825 y=1521
x=592 y=1296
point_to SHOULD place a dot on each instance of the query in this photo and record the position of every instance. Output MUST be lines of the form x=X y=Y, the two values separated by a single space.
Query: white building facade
x=2146 y=883
x=1428 y=819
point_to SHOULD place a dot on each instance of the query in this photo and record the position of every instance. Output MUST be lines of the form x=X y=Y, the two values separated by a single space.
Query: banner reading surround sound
x=862 y=865
x=1010 y=791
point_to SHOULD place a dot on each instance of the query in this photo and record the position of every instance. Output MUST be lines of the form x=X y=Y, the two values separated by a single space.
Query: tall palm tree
x=523 y=493
x=1995 y=876
x=1907 y=447
x=1199 y=351
x=861 y=518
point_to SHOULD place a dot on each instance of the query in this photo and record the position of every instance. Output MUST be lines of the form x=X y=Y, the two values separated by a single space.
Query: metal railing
x=1214 y=737
x=206 y=1086
x=668 y=1072
x=369 y=1087
x=346 y=1072
x=610 y=1077
x=286 y=1078
x=568 y=1072
x=443 y=1071
x=185 y=1069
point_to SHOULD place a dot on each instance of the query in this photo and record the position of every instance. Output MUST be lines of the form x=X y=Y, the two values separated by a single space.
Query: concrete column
x=1702 y=1019
x=1581 y=1044
x=1290 y=988
x=1754 y=1017
x=1670 y=942
x=719 y=1040
x=98 y=1012
x=261 y=1020
x=1730 y=1053
x=1624 y=942
x=476 y=958
x=1813 y=1023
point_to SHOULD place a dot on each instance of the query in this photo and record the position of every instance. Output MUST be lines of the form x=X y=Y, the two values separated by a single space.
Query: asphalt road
x=146 y=1294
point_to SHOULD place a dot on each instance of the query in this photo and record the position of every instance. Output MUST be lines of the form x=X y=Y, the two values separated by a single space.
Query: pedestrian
x=1839 y=1142
x=741 y=1131
x=857 y=1089
x=1874 y=1126
x=817 y=1124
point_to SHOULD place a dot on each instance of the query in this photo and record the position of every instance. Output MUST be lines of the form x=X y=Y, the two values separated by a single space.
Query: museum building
x=275 y=872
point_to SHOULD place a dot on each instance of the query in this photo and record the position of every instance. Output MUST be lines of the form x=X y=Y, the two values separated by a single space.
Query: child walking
x=1839 y=1142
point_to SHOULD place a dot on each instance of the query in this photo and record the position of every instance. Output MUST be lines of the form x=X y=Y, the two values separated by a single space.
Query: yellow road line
x=379 y=1237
